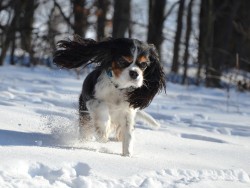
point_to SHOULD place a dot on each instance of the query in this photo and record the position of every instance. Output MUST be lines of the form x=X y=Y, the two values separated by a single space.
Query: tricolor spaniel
x=126 y=78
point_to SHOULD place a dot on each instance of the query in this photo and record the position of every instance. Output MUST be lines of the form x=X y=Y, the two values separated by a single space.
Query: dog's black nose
x=133 y=74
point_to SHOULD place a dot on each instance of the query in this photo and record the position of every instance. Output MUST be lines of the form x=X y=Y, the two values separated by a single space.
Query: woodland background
x=202 y=42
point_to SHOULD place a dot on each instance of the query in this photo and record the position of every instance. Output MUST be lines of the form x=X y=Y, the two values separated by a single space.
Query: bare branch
x=63 y=15
x=171 y=9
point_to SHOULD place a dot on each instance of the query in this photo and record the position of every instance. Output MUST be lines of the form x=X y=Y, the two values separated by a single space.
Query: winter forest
x=203 y=136
x=200 y=41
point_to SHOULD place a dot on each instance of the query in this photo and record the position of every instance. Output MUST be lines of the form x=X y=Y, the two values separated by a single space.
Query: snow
x=203 y=140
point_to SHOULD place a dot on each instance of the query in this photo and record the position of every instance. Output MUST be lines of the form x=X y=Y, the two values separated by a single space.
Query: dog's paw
x=127 y=154
x=102 y=139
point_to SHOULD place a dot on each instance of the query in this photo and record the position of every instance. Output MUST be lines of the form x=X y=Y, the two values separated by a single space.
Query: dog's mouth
x=124 y=81
x=132 y=84
x=137 y=83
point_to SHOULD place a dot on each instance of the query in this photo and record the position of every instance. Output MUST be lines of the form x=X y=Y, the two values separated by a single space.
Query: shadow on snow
x=16 y=138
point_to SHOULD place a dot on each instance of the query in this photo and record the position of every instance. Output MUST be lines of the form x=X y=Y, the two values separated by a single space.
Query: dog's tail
x=146 y=118
x=81 y=52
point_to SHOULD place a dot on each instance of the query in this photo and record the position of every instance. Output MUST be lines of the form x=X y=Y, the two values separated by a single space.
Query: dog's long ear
x=154 y=82
x=81 y=52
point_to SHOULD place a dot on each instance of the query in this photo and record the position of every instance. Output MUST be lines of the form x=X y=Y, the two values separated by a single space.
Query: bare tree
x=121 y=18
x=26 y=26
x=187 y=38
x=241 y=34
x=80 y=17
x=175 y=61
x=155 y=22
x=54 y=19
x=102 y=6
x=206 y=38
x=201 y=42
x=216 y=38
x=22 y=21
x=10 y=31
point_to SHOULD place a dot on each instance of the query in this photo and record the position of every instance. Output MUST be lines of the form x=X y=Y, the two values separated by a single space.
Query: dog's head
x=129 y=63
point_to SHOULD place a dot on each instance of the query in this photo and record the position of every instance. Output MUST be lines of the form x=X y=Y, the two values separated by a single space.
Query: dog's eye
x=123 y=63
x=143 y=65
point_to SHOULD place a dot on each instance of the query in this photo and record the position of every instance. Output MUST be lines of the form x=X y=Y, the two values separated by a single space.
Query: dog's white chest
x=105 y=91
x=113 y=98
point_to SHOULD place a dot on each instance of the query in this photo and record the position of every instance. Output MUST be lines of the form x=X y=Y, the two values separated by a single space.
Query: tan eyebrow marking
x=117 y=71
x=143 y=59
x=128 y=58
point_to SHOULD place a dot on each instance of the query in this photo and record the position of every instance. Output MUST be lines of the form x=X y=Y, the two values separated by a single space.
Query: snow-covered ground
x=203 y=141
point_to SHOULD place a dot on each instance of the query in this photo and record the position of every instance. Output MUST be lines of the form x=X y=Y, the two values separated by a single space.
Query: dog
x=126 y=77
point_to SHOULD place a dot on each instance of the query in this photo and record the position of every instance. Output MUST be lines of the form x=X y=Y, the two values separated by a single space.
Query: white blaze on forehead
x=135 y=53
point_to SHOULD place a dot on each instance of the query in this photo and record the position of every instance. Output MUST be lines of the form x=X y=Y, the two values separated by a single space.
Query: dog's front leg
x=100 y=117
x=128 y=134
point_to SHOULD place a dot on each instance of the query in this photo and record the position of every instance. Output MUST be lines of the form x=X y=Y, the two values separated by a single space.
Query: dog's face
x=128 y=70
x=129 y=64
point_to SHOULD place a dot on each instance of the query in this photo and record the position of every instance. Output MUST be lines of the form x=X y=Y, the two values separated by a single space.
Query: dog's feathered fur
x=82 y=52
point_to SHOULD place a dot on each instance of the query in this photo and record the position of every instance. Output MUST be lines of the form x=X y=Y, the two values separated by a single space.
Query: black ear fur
x=154 y=82
x=81 y=52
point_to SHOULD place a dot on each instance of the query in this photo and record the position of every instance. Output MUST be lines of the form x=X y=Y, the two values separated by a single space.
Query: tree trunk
x=175 y=61
x=241 y=36
x=206 y=36
x=209 y=40
x=121 y=18
x=10 y=31
x=12 y=51
x=26 y=23
x=26 y=27
x=80 y=17
x=101 y=18
x=155 y=22
x=201 y=42
x=187 y=38
x=224 y=13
